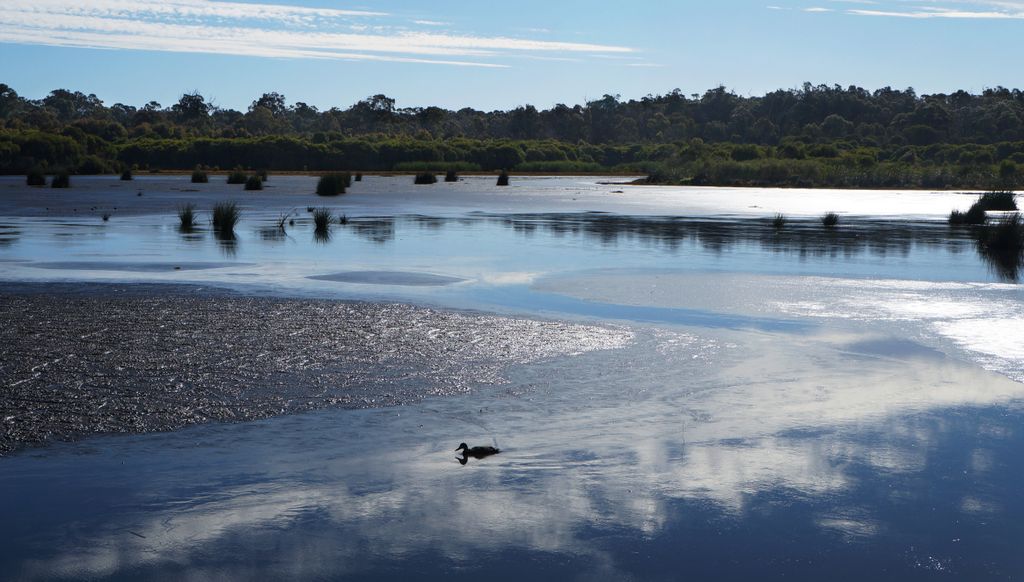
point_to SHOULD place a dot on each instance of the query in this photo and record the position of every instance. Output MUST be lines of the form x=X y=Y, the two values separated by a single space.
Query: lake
x=679 y=387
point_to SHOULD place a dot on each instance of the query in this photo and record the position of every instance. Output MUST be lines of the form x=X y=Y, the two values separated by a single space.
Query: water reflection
x=806 y=237
x=8 y=235
x=273 y=234
x=377 y=229
x=227 y=241
x=612 y=467
x=322 y=236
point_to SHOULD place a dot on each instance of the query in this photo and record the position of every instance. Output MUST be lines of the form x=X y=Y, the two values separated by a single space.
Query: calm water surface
x=801 y=403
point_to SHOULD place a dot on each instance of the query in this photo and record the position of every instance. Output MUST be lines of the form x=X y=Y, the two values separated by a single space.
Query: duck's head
x=462 y=447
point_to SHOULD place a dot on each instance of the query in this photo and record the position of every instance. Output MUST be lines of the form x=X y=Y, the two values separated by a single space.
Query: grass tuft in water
x=503 y=178
x=359 y=176
x=451 y=176
x=225 y=216
x=830 y=219
x=322 y=218
x=332 y=184
x=126 y=176
x=779 y=221
x=105 y=216
x=187 y=216
x=199 y=177
x=254 y=183
x=425 y=178
x=61 y=180
x=35 y=177
x=237 y=177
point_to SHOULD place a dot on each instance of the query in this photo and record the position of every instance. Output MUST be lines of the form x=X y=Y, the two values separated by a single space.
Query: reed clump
x=779 y=221
x=322 y=218
x=237 y=177
x=35 y=177
x=187 y=216
x=830 y=219
x=425 y=178
x=254 y=182
x=126 y=176
x=451 y=176
x=199 y=177
x=503 y=178
x=332 y=184
x=61 y=180
x=225 y=216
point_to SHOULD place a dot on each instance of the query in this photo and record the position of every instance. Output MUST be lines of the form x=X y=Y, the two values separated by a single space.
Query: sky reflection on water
x=811 y=458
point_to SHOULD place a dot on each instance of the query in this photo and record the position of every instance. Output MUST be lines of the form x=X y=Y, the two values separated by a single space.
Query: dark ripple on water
x=75 y=363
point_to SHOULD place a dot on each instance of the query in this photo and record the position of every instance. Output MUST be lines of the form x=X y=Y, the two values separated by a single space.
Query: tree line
x=813 y=135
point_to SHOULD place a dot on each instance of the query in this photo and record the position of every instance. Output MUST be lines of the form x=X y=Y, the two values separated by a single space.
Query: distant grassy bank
x=835 y=165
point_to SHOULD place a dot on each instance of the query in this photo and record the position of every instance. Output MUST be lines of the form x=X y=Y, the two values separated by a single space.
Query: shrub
x=187 y=216
x=253 y=183
x=237 y=177
x=1003 y=200
x=830 y=219
x=425 y=178
x=331 y=185
x=225 y=216
x=35 y=178
x=126 y=175
x=451 y=176
x=199 y=177
x=503 y=178
x=61 y=180
x=974 y=215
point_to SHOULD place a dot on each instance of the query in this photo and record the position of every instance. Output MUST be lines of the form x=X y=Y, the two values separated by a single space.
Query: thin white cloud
x=818 y=9
x=962 y=10
x=261 y=30
x=932 y=13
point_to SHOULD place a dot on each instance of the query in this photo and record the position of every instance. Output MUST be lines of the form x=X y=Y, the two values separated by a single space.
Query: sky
x=491 y=55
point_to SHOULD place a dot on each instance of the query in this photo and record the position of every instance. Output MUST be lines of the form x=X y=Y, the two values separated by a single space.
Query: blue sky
x=488 y=55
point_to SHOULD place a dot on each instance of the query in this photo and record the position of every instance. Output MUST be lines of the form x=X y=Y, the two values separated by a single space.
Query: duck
x=476 y=452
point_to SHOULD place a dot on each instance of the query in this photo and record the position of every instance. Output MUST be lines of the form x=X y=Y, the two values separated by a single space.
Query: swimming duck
x=477 y=452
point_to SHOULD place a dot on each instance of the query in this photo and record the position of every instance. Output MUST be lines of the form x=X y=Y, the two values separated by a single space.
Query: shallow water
x=802 y=403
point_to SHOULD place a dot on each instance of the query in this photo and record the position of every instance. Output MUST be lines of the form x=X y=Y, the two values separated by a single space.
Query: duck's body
x=477 y=452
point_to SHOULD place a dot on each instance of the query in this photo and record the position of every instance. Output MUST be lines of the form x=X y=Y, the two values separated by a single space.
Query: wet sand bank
x=86 y=359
